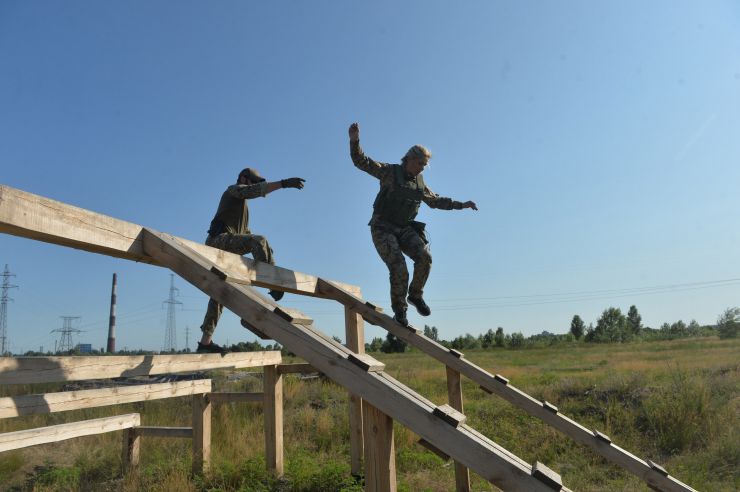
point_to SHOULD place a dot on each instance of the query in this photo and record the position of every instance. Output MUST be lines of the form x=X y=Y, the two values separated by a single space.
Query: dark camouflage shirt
x=232 y=211
x=384 y=173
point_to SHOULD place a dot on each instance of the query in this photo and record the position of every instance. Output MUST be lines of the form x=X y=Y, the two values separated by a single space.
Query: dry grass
x=676 y=402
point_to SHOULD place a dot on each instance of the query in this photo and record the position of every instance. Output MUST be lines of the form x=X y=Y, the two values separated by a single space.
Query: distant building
x=84 y=348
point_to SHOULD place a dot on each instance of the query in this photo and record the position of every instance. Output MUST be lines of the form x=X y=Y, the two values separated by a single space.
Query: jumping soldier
x=392 y=226
x=229 y=231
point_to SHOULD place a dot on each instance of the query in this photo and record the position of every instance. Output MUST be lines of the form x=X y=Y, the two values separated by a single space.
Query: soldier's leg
x=390 y=252
x=418 y=250
x=242 y=244
x=210 y=320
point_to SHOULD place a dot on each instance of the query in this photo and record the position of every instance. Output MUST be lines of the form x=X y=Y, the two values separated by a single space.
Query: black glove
x=292 y=183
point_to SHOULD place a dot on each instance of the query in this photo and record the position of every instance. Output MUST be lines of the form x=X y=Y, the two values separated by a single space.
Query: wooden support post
x=201 y=434
x=380 y=459
x=355 y=334
x=131 y=447
x=273 y=408
x=454 y=394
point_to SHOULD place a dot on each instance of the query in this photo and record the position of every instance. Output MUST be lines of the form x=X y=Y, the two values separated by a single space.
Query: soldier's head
x=249 y=176
x=416 y=159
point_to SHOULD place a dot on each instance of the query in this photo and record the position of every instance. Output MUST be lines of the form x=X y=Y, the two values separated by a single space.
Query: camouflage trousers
x=392 y=242
x=240 y=244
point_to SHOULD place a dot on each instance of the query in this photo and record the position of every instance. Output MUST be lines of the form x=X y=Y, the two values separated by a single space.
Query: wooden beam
x=201 y=434
x=354 y=331
x=380 y=457
x=366 y=362
x=455 y=397
x=273 y=411
x=151 y=431
x=28 y=370
x=131 y=449
x=16 y=406
x=62 y=432
x=500 y=386
x=293 y=316
x=35 y=217
x=385 y=393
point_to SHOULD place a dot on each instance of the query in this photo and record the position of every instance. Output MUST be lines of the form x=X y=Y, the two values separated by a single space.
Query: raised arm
x=360 y=160
x=443 y=203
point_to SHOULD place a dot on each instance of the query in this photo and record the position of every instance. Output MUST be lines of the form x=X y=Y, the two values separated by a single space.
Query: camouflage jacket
x=232 y=215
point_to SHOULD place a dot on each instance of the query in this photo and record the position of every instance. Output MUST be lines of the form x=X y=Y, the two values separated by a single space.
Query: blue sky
x=598 y=140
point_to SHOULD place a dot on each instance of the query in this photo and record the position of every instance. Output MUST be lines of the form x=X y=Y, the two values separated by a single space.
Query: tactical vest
x=400 y=202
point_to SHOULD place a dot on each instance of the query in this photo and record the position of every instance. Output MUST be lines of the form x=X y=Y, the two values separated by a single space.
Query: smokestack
x=112 y=320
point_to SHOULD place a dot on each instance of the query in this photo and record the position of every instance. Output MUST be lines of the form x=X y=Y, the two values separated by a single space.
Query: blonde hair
x=417 y=151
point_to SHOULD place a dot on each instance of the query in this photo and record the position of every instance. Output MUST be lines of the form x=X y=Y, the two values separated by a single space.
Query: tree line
x=612 y=327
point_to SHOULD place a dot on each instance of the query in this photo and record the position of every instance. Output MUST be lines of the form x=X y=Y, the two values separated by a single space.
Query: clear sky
x=599 y=140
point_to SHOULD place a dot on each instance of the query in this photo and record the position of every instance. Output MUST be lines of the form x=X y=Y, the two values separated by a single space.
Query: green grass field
x=674 y=402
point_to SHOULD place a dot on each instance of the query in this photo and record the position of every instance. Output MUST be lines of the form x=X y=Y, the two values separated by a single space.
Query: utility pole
x=4 y=345
x=170 y=334
x=65 y=340
x=112 y=320
x=187 y=339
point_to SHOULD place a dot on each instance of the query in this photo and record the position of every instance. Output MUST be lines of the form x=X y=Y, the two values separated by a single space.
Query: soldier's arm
x=444 y=203
x=360 y=160
x=251 y=190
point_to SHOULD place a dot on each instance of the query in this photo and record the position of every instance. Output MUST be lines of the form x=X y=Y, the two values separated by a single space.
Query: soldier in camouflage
x=229 y=231
x=392 y=226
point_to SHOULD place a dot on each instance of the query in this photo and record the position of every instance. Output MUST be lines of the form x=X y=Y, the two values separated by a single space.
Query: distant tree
x=610 y=327
x=498 y=338
x=679 y=329
x=431 y=332
x=375 y=345
x=577 y=327
x=517 y=340
x=337 y=339
x=466 y=341
x=487 y=339
x=694 y=328
x=728 y=323
x=634 y=320
x=393 y=344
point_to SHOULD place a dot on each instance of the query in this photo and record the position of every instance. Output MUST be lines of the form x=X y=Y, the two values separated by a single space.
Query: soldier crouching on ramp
x=229 y=231
x=393 y=228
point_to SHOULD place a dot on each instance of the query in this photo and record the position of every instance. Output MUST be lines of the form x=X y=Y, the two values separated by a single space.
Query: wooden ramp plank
x=43 y=219
x=28 y=370
x=16 y=406
x=500 y=386
x=62 y=432
x=478 y=454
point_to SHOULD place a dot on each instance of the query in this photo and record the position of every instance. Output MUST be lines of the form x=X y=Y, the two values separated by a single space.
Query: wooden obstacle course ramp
x=36 y=217
x=499 y=385
x=385 y=393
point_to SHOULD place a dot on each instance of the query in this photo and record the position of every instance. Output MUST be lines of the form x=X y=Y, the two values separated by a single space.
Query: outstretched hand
x=470 y=204
x=354 y=132
x=292 y=183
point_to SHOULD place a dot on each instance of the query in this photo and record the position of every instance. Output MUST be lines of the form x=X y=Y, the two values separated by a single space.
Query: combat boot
x=400 y=317
x=420 y=305
x=210 y=348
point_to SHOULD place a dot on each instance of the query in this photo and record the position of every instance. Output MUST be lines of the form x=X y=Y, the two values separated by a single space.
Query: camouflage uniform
x=393 y=240
x=230 y=232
